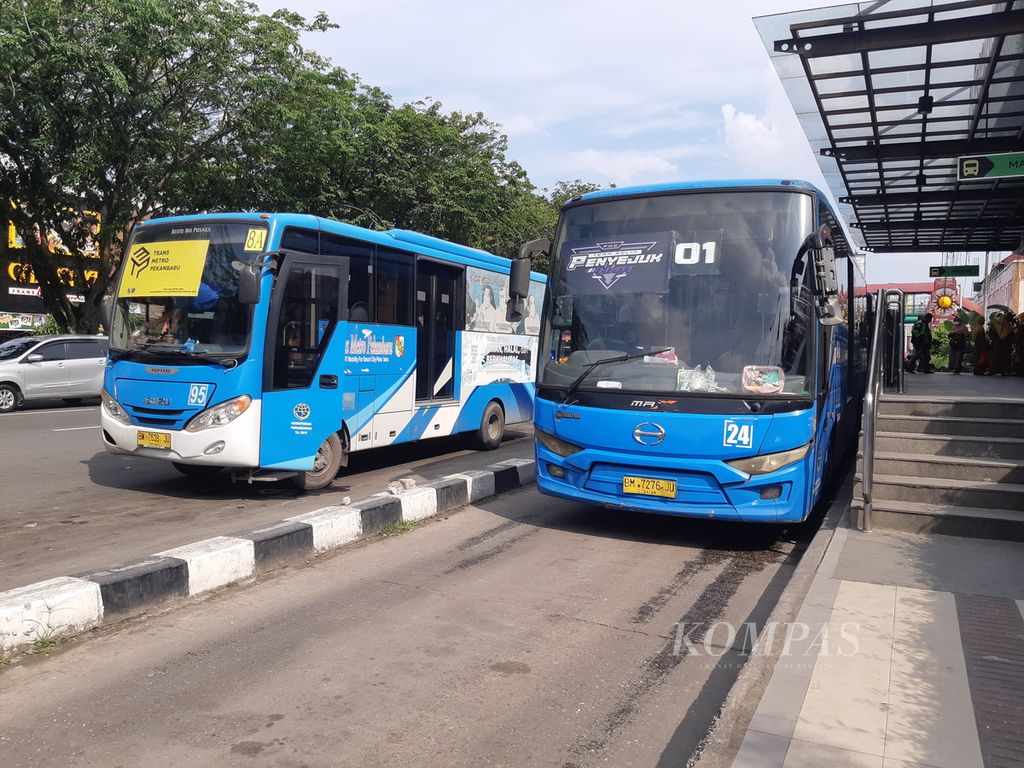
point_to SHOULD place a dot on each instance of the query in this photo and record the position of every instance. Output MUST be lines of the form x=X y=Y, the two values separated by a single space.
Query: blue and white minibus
x=277 y=344
x=703 y=352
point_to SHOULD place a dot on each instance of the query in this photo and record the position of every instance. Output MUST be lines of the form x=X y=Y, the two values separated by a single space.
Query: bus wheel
x=325 y=466
x=197 y=471
x=492 y=427
x=10 y=398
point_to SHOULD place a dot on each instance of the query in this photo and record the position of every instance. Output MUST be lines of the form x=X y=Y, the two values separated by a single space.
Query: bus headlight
x=114 y=409
x=769 y=462
x=555 y=445
x=219 y=415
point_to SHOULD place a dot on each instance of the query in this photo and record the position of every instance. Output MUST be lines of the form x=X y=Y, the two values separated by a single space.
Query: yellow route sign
x=164 y=268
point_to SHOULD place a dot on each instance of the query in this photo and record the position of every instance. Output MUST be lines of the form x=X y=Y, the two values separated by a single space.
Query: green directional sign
x=966 y=270
x=984 y=167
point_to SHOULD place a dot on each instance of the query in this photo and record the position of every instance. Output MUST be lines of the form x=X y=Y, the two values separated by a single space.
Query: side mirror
x=248 y=282
x=826 y=285
x=519 y=278
x=106 y=309
x=35 y=357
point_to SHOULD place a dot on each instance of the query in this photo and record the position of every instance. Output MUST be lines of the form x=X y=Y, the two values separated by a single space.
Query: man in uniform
x=921 y=340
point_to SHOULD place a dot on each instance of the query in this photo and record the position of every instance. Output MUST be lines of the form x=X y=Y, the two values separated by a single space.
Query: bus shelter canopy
x=890 y=95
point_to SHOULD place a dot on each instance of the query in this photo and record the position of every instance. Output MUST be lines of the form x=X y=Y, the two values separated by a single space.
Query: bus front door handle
x=328 y=381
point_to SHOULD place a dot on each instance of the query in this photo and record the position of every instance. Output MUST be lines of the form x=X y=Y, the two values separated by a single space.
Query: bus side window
x=309 y=312
x=394 y=287
x=299 y=239
x=357 y=305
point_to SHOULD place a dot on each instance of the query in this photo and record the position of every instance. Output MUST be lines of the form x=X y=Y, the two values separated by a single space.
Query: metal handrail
x=873 y=390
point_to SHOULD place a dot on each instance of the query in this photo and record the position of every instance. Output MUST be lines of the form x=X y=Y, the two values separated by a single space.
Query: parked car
x=67 y=368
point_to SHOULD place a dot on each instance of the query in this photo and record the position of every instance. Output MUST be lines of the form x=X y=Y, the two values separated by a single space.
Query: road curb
x=722 y=743
x=70 y=604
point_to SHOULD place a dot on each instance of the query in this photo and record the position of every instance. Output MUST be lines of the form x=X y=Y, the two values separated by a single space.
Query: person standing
x=1018 y=340
x=982 y=350
x=957 y=345
x=1000 y=334
x=921 y=341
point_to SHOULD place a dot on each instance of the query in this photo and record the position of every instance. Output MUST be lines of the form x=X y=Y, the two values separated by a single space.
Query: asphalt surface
x=67 y=506
x=527 y=631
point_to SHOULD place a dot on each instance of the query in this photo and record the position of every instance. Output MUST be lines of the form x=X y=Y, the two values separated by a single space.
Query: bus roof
x=682 y=186
x=395 y=238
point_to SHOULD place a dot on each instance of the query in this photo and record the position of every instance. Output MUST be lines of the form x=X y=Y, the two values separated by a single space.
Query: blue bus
x=703 y=350
x=277 y=344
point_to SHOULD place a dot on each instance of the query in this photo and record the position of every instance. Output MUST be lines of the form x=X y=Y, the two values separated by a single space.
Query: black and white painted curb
x=73 y=603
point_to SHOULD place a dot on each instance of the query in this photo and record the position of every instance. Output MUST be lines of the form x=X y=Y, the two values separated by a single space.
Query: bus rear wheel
x=492 y=427
x=325 y=466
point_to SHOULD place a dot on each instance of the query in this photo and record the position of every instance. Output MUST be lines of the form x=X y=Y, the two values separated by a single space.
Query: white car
x=68 y=368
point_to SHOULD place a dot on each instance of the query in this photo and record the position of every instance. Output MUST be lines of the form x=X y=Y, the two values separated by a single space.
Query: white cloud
x=623 y=168
x=770 y=143
x=517 y=126
x=581 y=87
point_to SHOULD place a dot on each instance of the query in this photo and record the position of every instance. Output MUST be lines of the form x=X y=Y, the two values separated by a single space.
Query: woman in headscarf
x=1000 y=334
x=1018 y=340
x=981 y=346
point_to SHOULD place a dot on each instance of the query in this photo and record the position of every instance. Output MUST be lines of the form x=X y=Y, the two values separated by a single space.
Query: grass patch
x=5 y=661
x=44 y=644
x=394 y=529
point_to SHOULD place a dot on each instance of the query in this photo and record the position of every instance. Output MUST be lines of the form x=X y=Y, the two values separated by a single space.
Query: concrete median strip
x=69 y=604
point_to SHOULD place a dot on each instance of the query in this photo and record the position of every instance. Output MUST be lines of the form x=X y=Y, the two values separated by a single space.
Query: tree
x=138 y=108
x=126 y=109
x=564 y=191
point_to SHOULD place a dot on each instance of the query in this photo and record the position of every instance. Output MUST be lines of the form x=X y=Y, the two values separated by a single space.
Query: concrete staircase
x=951 y=466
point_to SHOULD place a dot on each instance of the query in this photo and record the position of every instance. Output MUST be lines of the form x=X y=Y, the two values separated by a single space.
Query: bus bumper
x=236 y=444
x=595 y=477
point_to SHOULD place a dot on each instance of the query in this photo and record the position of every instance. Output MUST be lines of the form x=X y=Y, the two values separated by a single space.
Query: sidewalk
x=922 y=663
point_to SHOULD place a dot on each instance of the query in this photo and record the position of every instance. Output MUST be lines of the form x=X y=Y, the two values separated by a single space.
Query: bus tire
x=325 y=466
x=10 y=398
x=492 y=427
x=197 y=471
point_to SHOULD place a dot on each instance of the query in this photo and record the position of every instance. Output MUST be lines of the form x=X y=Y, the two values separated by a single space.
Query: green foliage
x=44 y=644
x=394 y=529
x=48 y=328
x=136 y=108
x=940 y=345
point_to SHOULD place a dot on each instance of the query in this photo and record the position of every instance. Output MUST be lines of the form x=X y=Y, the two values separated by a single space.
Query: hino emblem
x=649 y=433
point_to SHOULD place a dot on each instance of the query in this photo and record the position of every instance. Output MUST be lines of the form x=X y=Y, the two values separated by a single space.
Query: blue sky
x=608 y=92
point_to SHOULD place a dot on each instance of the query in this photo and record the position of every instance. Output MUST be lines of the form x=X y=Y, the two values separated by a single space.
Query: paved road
x=528 y=631
x=67 y=506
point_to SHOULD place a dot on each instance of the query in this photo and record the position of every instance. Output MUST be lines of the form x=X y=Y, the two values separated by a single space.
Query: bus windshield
x=178 y=291
x=700 y=281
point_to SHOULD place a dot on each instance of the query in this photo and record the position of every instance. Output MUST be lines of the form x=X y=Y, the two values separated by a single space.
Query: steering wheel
x=617 y=344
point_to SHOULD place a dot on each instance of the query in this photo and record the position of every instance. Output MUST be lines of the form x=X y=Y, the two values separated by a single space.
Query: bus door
x=302 y=373
x=436 y=317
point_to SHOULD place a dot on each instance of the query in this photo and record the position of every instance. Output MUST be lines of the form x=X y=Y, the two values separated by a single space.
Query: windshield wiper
x=173 y=351
x=588 y=369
